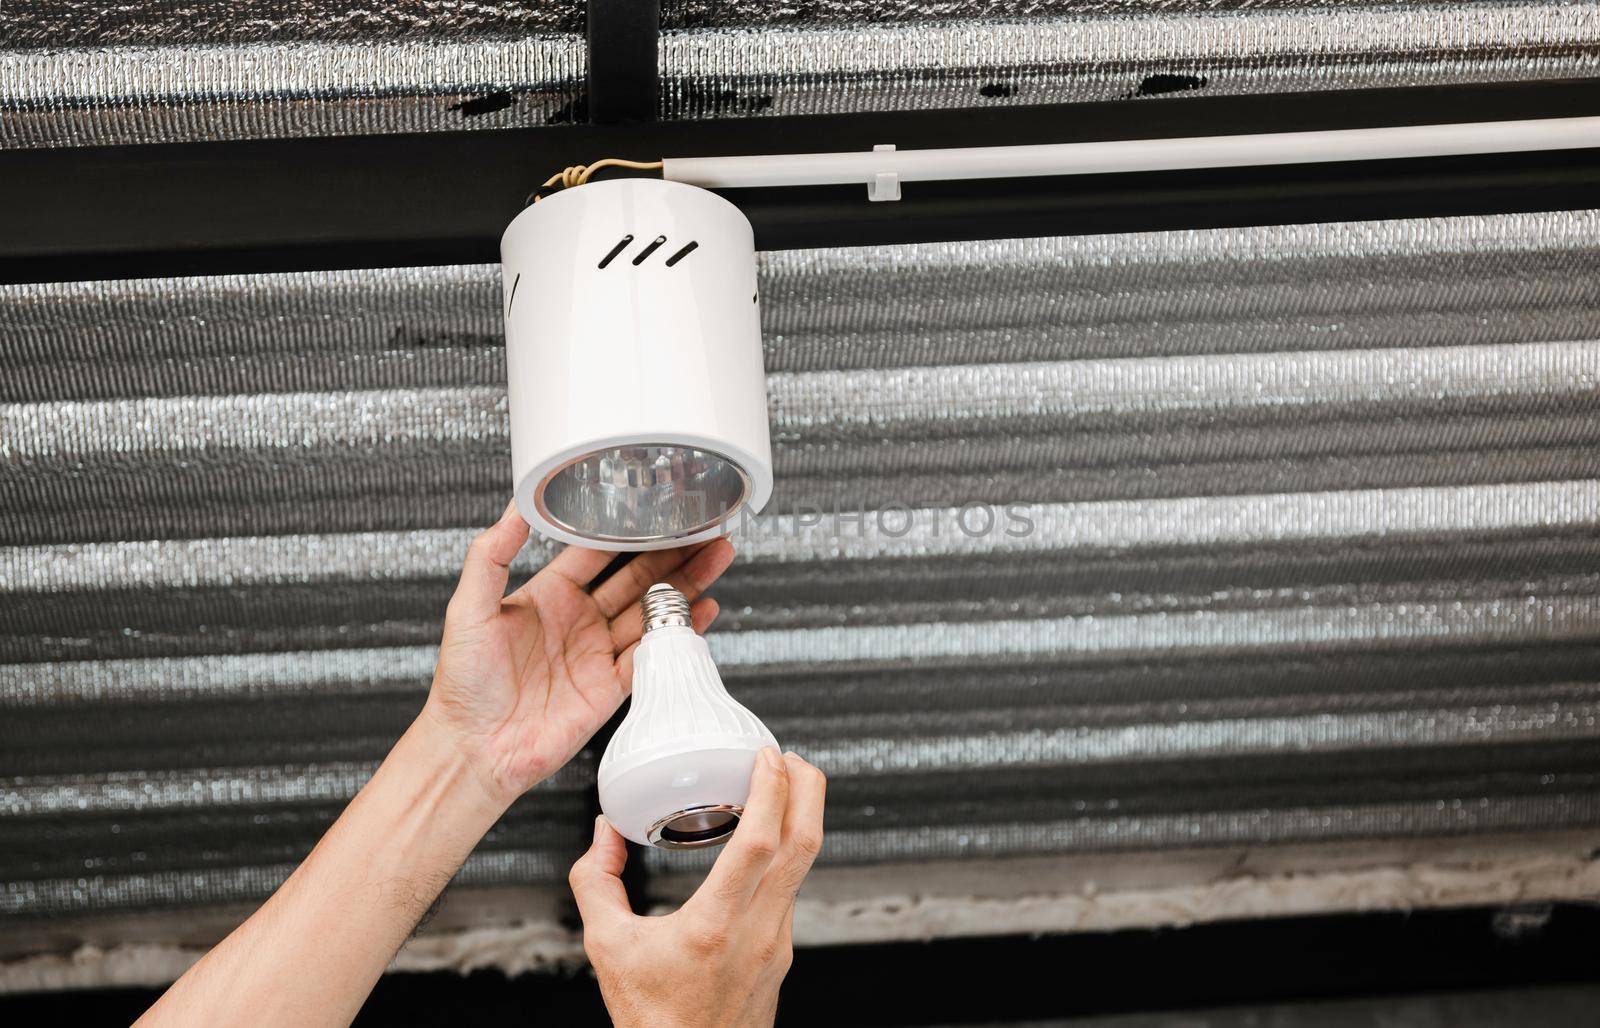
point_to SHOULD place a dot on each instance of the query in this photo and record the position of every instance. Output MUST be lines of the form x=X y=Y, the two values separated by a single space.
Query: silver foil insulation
x=74 y=73
x=1096 y=543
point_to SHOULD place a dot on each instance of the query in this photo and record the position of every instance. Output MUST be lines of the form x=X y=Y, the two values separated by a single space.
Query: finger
x=596 y=878
x=578 y=564
x=802 y=838
x=488 y=565
x=693 y=578
x=701 y=614
x=727 y=890
x=786 y=935
x=626 y=586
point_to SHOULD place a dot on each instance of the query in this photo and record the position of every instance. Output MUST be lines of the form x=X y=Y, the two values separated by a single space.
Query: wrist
x=505 y=767
x=443 y=774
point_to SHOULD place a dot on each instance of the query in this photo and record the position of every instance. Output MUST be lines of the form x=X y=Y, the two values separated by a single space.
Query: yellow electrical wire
x=578 y=174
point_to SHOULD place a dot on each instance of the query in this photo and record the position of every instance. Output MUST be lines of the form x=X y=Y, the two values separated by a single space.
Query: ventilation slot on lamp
x=513 y=297
x=622 y=245
x=655 y=244
x=681 y=254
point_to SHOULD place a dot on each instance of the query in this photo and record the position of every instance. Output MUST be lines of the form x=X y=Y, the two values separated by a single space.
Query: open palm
x=525 y=679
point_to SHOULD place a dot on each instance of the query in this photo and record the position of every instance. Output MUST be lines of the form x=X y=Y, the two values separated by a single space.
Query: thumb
x=488 y=566
x=596 y=878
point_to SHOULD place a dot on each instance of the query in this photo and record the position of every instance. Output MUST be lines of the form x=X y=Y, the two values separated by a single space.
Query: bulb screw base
x=663 y=606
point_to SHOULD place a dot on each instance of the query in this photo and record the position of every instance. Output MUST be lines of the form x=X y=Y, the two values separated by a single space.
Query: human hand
x=524 y=680
x=720 y=958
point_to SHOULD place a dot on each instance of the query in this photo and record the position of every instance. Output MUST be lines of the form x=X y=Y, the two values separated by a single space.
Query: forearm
x=314 y=950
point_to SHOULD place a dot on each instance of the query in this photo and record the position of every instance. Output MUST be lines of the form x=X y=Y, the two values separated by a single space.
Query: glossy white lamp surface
x=677 y=772
x=633 y=356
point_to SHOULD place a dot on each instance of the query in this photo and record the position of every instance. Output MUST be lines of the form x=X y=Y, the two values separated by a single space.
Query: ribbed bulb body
x=677 y=772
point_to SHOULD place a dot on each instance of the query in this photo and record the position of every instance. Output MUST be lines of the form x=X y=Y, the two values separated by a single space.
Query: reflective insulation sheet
x=1105 y=543
x=745 y=58
x=82 y=72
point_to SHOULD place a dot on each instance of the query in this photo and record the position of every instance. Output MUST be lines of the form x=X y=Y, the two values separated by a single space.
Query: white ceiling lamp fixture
x=633 y=356
x=633 y=336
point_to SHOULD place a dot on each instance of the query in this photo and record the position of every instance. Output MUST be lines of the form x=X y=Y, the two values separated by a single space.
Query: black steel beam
x=1431 y=964
x=624 y=81
x=377 y=201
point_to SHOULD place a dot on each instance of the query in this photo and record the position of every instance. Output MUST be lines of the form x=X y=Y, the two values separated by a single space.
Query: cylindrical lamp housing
x=633 y=359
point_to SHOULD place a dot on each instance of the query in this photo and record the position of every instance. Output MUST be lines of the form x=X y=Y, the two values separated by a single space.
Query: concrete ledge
x=522 y=930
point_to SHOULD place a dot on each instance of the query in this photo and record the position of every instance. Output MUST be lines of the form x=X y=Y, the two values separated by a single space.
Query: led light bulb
x=677 y=772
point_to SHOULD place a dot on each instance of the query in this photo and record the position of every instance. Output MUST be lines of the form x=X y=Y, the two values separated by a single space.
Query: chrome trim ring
x=661 y=833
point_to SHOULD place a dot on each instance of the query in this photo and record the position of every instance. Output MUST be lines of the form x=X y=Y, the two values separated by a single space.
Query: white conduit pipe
x=884 y=168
